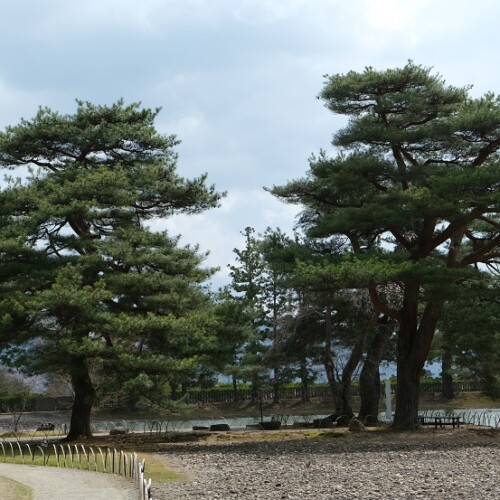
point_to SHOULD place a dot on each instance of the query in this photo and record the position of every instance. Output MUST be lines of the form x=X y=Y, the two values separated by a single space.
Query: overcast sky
x=237 y=80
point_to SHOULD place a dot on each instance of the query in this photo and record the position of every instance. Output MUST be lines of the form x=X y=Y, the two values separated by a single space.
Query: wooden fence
x=110 y=461
x=226 y=395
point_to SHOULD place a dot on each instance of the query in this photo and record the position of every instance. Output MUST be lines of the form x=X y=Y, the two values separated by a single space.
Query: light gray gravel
x=337 y=468
x=51 y=483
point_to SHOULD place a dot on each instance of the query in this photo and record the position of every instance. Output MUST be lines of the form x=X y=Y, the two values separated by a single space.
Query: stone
x=325 y=423
x=219 y=427
x=270 y=425
x=356 y=425
x=117 y=431
x=342 y=421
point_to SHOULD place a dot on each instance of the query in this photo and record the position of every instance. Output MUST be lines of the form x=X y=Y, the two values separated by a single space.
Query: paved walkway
x=52 y=483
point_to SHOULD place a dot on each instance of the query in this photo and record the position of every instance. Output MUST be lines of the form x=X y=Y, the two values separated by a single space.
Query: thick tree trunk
x=408 y=392
x=414 y=342
x=84 y=400
x=447 y=389
x=369 y=392
x=344 y=392
x=343 y=405
x=369 y=379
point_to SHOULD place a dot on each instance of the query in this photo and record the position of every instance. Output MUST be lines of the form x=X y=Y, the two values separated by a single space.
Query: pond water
x=480 y=416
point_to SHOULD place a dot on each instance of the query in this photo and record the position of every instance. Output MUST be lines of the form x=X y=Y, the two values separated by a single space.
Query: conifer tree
x=112 y=293
x=417 y=168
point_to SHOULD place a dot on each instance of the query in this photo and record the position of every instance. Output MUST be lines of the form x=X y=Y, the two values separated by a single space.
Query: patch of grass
x=13 y=490
x=33 y=434
x=274 y=436
x=462 y=400
x=156 y=468
x=323 y=434
x=159 y=471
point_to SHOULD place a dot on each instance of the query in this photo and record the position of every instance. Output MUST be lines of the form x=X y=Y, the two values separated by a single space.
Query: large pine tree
x=417 y=168
x=110 y=294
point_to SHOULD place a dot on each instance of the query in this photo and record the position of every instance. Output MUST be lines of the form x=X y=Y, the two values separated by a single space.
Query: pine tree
x=114 y=295
x=418 y=167
x=247 y=280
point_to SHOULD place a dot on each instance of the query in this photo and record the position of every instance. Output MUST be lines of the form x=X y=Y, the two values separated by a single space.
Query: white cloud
x=392 y=15
x=60 y=17
x=219 y=230
x=237 y=80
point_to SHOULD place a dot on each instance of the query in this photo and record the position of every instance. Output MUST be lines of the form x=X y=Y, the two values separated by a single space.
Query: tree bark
x=328 y=356
x=414 y=342
x=369 y=392
x=83 y=402
x=277 y=385
x=369 y=379
x=408 y=383
x=344 y=392
x=304 y=377
x=447 y=389
x=343 y=404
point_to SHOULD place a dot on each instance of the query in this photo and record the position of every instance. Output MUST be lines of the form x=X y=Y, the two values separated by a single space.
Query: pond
x=480 y=416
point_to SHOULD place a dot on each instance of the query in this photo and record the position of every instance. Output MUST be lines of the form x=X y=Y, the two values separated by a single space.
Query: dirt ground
x=371 y=436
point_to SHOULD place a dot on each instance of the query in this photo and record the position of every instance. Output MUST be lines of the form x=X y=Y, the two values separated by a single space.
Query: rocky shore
x=429 y=464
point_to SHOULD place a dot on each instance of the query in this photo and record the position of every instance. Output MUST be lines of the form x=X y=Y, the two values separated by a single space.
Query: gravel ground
x=441 y=464
x=51 y=483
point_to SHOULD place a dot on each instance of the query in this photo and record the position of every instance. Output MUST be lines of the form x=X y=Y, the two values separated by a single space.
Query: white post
x=388 y=395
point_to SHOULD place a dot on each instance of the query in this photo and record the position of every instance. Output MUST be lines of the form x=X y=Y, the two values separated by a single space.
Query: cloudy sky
x=237 y=80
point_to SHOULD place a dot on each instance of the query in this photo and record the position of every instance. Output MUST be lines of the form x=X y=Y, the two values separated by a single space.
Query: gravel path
x=449 y=465
x=51 y=483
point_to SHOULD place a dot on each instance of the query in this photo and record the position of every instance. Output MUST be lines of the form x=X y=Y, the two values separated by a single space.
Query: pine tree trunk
x=369 y=379
x=328 y=356
x=84 y=400
x=277 y=386
x=343 y=405
x=408 y=392
x=414 y=342
x=330 y=374
x=369 y=392
x=447 y=381
x=306 y=397
x=344 y=393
